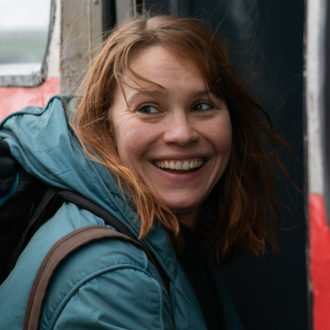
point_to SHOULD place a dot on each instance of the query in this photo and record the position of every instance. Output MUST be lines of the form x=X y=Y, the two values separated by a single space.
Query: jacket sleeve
x=124 y=298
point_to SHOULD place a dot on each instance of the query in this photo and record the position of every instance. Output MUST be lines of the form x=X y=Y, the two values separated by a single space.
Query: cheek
x=126 y=141
x=221 y=136
x=131 y=144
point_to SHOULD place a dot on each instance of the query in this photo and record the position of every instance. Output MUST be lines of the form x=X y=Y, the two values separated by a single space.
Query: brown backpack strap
x=62 y=249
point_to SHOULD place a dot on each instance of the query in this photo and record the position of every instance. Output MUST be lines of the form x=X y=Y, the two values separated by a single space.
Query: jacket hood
x=43 y=142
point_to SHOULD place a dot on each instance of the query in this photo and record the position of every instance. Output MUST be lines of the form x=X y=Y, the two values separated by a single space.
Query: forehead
x=158 y=64
x=160 y=53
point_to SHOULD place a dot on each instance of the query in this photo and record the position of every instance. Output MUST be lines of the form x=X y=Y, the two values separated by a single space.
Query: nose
x=179 y=130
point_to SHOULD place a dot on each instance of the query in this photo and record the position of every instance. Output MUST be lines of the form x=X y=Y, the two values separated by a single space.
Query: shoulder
x=108 y=281
x=103 y=270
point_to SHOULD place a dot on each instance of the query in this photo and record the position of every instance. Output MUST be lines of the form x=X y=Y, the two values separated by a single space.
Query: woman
x=173 y=145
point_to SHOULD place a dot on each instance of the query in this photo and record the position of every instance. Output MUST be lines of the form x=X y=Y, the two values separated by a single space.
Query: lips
x=180 y=165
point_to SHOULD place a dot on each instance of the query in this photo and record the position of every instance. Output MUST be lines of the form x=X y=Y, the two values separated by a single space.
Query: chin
x=184 y=210
x=182 y=207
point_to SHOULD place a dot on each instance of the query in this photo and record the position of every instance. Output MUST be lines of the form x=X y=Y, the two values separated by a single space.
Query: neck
x=188 y=220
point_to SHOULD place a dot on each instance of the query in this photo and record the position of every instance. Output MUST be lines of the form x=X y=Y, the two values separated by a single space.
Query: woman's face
x=172 y=133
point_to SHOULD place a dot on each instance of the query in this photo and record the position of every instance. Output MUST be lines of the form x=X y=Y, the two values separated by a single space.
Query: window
x=24 y=29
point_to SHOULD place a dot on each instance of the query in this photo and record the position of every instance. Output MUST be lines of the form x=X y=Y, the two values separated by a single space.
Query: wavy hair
x=236 y=215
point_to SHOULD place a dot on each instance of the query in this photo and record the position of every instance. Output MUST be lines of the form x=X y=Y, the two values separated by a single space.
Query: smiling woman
x=168 y=139
x=173 y=134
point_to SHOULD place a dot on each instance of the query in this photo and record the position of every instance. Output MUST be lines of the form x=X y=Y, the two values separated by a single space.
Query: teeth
x=180 y=165
x=186 y=165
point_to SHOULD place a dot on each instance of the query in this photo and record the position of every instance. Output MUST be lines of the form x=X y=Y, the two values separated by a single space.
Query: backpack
x=20 y=194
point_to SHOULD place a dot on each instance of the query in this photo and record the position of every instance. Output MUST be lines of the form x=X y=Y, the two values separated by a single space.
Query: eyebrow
x=145 y=93
x=163 y=94
x=201 y=93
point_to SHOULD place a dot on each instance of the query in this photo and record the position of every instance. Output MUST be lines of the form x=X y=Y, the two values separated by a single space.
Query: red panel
x=15 y=98
x=319 y=262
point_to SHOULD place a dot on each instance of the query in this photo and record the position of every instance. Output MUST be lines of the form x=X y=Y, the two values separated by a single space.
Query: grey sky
x=23 y=14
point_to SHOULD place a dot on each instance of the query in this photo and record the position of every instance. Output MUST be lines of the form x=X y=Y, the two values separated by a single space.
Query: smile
x=180 y=165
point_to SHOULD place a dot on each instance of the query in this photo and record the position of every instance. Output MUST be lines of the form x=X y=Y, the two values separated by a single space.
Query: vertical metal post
x=316 y=112
x=125 y=9
x=81 y=38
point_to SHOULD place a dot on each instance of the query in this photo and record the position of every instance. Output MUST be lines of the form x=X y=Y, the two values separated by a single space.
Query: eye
x=148 y=109
x=202 y=106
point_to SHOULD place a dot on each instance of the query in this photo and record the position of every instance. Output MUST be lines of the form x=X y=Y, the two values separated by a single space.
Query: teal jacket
x=108 y=284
